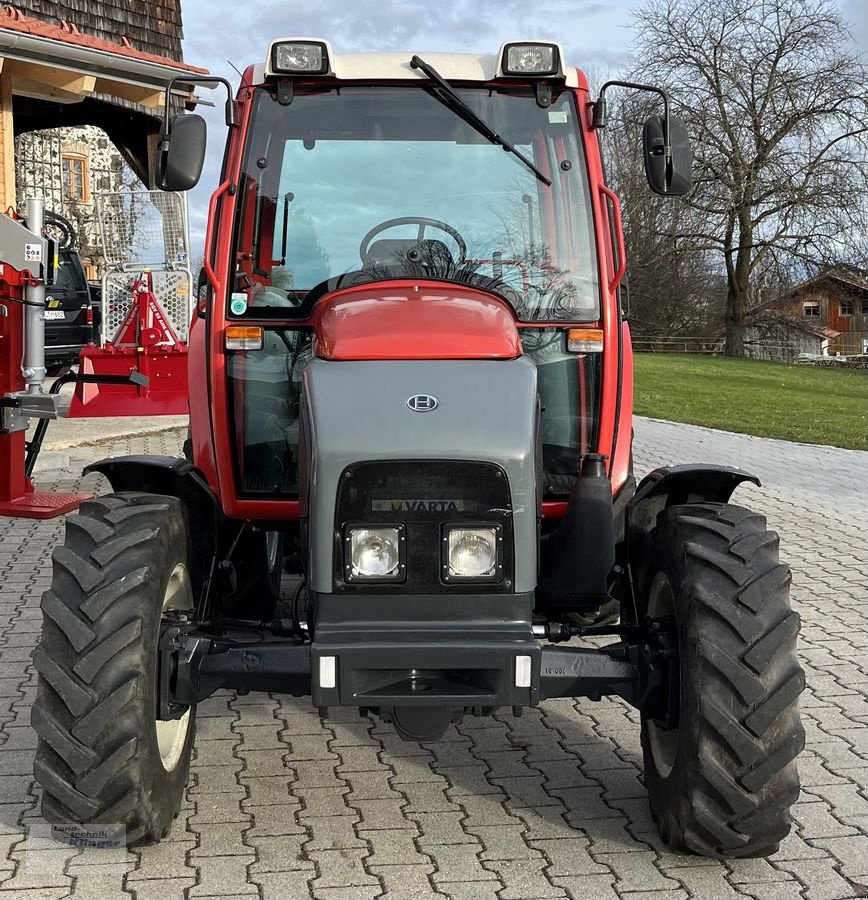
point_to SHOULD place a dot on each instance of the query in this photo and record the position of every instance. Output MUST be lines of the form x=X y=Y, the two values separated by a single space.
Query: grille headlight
x=374 y=553
x=299 y=58
x=473 y=552
x=530 y=59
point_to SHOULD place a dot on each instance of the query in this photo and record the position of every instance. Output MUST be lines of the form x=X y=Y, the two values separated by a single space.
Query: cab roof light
x=524 y=58
x=585 y=340
x=298 y=56
x=243 y=337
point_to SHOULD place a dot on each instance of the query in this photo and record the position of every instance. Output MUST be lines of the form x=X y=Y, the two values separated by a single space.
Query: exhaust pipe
x=578 y=557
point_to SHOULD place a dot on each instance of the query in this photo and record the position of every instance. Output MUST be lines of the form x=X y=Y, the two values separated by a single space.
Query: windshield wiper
x=451 y=100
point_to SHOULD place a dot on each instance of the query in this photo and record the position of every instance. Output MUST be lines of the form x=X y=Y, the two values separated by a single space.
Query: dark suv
x=68 y=316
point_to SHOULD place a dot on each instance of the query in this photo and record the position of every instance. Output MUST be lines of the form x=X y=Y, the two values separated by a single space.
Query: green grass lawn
x=794 y=403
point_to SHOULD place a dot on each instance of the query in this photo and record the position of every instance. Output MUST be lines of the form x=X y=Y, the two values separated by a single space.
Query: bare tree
x=777 y=102
x=674 y=288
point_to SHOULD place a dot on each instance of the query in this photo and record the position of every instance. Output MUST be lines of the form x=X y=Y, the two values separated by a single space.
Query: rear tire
x=722 y=783
x=102 y=756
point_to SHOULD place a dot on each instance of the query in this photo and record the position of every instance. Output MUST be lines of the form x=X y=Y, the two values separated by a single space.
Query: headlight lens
x=530 y=59
x=300 y=57
x=375 y=552
x=471 y=552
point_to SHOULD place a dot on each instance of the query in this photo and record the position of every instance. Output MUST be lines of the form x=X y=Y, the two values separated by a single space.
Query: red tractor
x=411 y=385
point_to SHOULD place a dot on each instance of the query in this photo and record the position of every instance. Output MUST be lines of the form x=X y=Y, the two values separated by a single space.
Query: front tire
x=721 y=784
x=102 y=755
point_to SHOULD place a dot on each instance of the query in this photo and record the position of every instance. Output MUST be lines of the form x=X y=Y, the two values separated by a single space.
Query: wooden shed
x=784 y=338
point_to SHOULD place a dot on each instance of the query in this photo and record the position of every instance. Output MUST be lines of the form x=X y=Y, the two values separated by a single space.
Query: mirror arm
x=204 y=80
x=599 y=111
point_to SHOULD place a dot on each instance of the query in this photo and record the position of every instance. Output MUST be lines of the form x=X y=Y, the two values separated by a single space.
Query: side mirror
x=181 y=153
x=676 y=179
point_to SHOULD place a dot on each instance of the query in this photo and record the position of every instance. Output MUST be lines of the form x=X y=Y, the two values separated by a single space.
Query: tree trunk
x=738 y=284
x=734 y=345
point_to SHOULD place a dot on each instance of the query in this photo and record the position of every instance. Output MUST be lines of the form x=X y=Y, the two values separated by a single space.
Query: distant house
x=833 y=305
x=784 y=338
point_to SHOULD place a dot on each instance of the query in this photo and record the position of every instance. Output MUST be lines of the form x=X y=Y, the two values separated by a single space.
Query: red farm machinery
x=138 y=364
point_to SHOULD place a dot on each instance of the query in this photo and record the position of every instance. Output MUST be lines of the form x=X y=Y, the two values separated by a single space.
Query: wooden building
x=104 y=63
x=836 y=301
x=152 y=27
x=784 y=338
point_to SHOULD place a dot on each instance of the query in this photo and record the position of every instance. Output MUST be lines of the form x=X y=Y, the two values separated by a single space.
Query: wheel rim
x=172 y=733
x=663 y=742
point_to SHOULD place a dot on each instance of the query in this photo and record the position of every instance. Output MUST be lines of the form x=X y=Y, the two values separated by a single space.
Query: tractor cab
x=400 y=199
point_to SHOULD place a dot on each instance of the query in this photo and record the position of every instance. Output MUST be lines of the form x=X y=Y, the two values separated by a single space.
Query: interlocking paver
x=458 y=862
x=283 y=884
x=578 y=887
x=503 y=842
x=393 y=847
x=441 y=828
x=569 y=856
x=551 y=804
x=283 y=853
x=222 y=876
x=820 y=879
x=636 y=871
x=401 y=881
x=167 y=860
x=341 y=868
x=332 y=833
x=169 y=889
x=524 y=878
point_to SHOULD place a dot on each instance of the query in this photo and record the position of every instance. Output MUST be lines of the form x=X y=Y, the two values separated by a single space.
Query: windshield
x=354 y=184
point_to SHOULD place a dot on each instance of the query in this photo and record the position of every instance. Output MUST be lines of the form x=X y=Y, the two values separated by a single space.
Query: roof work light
x=530 y=58
x=298 y=56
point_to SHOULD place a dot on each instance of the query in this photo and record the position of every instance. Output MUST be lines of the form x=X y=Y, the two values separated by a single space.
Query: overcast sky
x=595 y=36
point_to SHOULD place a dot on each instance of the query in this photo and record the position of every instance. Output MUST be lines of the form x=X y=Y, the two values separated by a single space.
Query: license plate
x=55 y=314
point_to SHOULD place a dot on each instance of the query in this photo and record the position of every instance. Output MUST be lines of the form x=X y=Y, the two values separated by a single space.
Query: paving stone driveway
x=548 y=805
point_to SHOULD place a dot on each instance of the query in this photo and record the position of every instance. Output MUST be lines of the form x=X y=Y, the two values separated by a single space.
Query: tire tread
x=91 y=691
x=745 y=733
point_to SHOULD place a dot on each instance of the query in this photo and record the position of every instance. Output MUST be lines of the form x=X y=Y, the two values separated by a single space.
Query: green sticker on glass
x=238 y=304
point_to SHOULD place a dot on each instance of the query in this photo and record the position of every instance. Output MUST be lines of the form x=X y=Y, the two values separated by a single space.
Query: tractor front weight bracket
x=642 y=669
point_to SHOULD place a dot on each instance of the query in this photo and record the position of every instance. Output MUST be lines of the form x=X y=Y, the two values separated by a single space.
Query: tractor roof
x=480 y=67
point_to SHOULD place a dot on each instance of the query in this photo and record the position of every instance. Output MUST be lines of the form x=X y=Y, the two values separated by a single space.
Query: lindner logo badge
x=423 y=403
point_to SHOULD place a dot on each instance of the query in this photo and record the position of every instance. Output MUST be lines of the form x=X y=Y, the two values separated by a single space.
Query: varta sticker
x=432 y=506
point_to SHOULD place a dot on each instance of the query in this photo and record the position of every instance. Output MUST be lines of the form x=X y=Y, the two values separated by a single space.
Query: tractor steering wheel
x=423 y=223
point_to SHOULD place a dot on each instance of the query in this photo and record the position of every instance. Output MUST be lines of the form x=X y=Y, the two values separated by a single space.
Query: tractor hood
x=415 y=320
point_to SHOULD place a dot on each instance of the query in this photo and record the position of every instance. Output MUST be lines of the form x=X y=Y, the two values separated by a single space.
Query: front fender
x=689 y=484
x=179 y=478
x=671 y=486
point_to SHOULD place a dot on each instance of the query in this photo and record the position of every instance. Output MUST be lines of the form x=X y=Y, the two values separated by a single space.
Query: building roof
x=154 y=26
x=848 y=275
x=759 y=316
x=13 y=20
